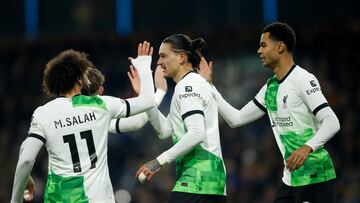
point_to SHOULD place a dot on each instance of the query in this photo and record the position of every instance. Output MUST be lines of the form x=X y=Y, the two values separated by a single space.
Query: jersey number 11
x=88 y=136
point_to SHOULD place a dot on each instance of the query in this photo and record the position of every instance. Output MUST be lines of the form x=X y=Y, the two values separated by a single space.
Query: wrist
x=308 y=148
x=142 y=63
x=161 y=159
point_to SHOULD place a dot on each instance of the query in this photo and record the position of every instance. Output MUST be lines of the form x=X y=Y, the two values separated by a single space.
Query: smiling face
x=268 y=50
x=169 y=60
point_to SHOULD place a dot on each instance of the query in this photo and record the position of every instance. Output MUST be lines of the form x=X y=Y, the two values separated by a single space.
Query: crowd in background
x=253 y=161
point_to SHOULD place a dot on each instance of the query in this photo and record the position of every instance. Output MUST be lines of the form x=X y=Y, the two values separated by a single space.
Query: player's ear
x=281 y=47
x=182 y=58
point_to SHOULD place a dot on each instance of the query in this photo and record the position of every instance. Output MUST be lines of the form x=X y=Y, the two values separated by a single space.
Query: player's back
x=75 y=135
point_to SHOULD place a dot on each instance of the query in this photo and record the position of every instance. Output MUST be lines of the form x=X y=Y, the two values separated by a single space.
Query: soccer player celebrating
x=74 y=129
x=193 y=125
x=136 y=122
x=301 y=118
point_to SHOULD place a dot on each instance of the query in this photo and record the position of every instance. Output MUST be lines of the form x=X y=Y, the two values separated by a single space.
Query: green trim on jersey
x=200 y=172
x=271 y=94
x=94 y=101
x=65 y=189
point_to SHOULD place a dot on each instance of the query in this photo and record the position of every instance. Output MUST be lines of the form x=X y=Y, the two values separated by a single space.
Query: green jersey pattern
x=93 y=101
x=200 y=172
x=318 y=167
x=65 y=189
x=271 y=93
x=77 y=127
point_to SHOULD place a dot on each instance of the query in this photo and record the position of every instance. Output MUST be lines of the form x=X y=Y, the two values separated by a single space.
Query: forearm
x=195 y=125
x=160 y=123
x=146 y=99
x=235 y=118
x=136 y=122
x=28 y=152
x=130 y=124
x=159 y=96
x=329 y=126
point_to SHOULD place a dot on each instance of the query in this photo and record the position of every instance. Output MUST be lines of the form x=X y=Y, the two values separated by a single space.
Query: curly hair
x=64 y=71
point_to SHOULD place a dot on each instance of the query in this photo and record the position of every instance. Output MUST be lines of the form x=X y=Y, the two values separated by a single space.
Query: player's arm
x=233 y=117
x=325 y=116
x=160 y=123
x=142 y=64
x=192 y=111
x=28 y=152
x=195 y=125
x=136 y=122
x=329 y=126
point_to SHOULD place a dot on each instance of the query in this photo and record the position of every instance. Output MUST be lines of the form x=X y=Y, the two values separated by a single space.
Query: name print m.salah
x=75 y=120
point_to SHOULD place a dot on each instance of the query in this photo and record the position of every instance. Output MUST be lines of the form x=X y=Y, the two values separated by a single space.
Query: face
x=268 y=50
x=168 y=60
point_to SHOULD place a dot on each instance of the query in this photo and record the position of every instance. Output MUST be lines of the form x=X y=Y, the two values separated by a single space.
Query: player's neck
x=283 y=67
x=75 y=91
x=182 y=72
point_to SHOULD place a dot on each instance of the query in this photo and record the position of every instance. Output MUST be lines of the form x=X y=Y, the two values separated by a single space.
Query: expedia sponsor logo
x=282 y=122
x=188 y=89
x=313 y=83
x=186 y=95
x=313 y=90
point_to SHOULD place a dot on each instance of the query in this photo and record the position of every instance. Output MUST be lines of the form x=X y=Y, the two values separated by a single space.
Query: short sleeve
x=311 y=94
x=119 y=108
x=192 y=97
x=36 y=129
x=259 y=99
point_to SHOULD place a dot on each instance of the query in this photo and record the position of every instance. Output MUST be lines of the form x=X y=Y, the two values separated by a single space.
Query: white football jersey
x=292 y=104
x=75 y=133
x=202 y=170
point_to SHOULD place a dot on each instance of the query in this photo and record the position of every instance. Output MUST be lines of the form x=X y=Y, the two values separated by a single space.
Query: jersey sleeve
x=36 y=129
x=119 y=108
x=259 y=99
x=191 y=98
x=311 y=94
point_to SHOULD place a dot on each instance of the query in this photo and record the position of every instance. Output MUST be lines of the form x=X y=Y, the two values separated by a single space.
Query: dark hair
x=64 y=71
x=192 y=48
x=96 y=79
x=282 y=32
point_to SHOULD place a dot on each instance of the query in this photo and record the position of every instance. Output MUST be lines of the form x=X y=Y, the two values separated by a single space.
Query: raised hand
x=143 y=60
x=160 y=81
x=144 y=49
x=134 y=79
x=206 y=69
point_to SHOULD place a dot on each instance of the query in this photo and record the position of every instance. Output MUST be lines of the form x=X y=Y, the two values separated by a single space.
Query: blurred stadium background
x=33 y=31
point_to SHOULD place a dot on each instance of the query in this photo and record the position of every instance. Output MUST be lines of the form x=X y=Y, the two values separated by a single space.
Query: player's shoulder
x=301 y=74
x=53 y=105
x=108 y=98
x=192 y=79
